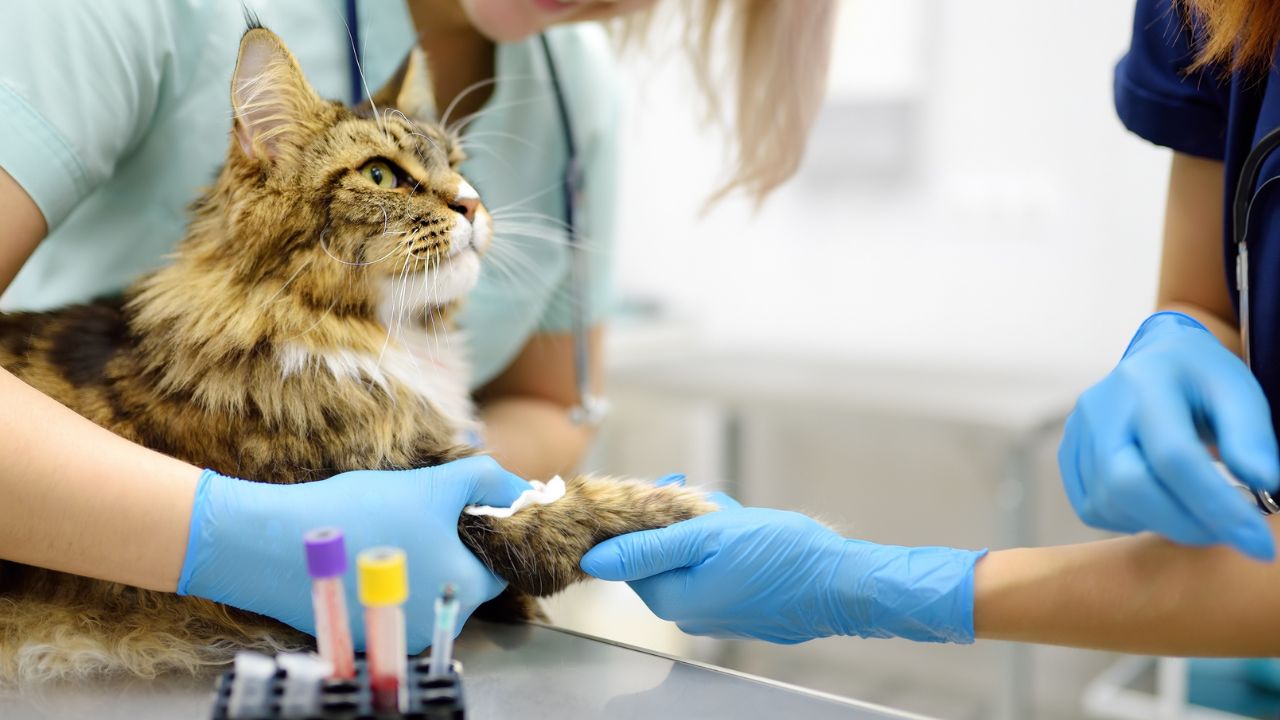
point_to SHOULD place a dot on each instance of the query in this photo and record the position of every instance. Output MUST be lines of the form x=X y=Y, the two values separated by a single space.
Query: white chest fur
x=429 y=366
x=426 y=361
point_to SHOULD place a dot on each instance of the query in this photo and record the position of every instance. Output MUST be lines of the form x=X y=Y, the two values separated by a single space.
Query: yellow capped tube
x=383 y=577
x=383 y=582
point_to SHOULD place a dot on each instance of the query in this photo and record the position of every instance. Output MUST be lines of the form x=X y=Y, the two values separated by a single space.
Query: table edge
x=860 y=704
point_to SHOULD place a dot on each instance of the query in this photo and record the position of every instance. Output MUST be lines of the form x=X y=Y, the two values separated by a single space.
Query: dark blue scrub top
x=1212 y=115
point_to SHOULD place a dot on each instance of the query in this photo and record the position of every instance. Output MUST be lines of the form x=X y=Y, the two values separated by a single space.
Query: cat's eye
x=380 y=173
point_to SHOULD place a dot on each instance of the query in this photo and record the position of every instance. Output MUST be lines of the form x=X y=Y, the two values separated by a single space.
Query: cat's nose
x=466 y=201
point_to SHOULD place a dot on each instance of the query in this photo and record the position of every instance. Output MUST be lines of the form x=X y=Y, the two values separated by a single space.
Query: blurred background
x=892 y=342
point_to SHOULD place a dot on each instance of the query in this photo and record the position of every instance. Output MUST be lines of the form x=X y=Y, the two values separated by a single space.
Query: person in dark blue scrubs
x=1136 y=453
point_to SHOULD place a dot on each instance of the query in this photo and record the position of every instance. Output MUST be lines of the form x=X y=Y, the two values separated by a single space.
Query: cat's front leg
x=538 y=548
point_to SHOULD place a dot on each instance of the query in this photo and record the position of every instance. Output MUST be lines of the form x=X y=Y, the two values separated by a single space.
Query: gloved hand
x=783 y=577
x=245 y=547
x=1133 y=456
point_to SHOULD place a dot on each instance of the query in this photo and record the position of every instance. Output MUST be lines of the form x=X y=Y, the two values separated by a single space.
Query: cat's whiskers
x=385 y=217
x=435 y=145
x=448 y=336
x=390 y=322
x=528 y=198
x=492 y=153
x=403 y=312
x=457 y=127
x=513 y=214
x=507 y=258
x=433 y=298
x=364 y=83
x=411 y=264
x=508 y=278
x=405 y=345
x=435 y=292
x=416 y=130
x=516 y=267
x=520 y=232
x=325 y=247
x=430 y=315
x=470 y=137
x=444 y=118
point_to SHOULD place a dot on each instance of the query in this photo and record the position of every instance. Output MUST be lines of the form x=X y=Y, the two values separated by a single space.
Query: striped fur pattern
x=303 y=328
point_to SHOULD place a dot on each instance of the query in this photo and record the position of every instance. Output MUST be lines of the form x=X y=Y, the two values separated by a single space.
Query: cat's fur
x=301 y=330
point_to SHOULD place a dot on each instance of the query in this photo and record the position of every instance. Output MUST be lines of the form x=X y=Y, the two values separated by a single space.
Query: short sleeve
x=1158 y=98
x=79 y=84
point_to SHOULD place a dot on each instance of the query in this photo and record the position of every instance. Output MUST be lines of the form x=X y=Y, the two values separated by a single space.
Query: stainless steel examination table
x=512 y=671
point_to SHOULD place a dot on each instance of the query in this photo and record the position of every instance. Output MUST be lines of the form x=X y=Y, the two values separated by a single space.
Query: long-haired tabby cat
x=299 y=332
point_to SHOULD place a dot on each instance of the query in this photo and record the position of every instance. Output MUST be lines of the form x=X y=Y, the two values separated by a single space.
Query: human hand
x=1133 y=454
x=246 y=550
x=783 y=577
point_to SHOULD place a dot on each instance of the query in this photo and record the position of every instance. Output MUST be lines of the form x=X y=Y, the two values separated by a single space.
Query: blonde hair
x=774 y=77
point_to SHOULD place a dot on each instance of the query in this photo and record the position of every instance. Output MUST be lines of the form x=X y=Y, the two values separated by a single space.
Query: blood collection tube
x=442 y=638
x=326 y=562
x=384 y=586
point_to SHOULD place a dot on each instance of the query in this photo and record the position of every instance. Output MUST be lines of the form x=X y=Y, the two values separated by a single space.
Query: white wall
x=1025 y=231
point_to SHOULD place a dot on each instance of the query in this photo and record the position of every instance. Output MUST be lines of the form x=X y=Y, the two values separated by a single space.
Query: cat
x=303 y=328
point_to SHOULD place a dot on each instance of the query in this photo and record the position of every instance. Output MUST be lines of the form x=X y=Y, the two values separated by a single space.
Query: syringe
x=326 y=562
x=384 y=587
x=442 y=637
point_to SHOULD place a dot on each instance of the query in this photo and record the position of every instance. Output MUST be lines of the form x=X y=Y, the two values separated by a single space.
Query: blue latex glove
x=783 y=577
x=1133 y=456
x=245 y=547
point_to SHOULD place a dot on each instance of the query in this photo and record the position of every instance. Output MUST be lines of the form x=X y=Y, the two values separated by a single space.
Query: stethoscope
x=591 y=408
x=1241 y=204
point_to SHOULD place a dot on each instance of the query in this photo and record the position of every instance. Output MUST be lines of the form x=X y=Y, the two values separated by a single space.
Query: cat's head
x=351 y=208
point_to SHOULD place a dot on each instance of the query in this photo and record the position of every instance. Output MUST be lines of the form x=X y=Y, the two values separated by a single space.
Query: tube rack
x=430 y=697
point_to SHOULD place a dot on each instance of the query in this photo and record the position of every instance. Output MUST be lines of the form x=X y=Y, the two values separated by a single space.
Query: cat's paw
x=538 y=548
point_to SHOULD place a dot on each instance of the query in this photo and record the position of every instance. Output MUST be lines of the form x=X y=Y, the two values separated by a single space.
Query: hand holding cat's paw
x=785 y=578
x=245 y=546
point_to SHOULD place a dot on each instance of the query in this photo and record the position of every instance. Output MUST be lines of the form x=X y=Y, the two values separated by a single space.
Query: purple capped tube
x=326 y=563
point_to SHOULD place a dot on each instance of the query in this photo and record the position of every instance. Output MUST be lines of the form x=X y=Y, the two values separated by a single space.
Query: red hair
x=1236 y=34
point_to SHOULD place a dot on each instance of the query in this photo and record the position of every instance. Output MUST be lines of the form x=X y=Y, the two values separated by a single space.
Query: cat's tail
x=146 y=635
x=537 y=549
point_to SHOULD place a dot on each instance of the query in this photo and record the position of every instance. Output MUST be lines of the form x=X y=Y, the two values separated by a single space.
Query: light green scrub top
x=114 y=116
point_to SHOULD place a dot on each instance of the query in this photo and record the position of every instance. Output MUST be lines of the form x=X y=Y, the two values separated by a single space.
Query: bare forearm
x=73 y=496
x=526 y=409
x=1193 y=279
x=1137 y=594
x=23 y=228
x=77 y=498
x=533 y=438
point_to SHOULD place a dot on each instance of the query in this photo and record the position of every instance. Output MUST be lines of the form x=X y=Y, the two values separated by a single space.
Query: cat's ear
x=409 y=89
x=270 y=98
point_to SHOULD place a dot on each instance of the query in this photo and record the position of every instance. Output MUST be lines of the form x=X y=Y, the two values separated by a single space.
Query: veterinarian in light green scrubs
x=113 y=116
